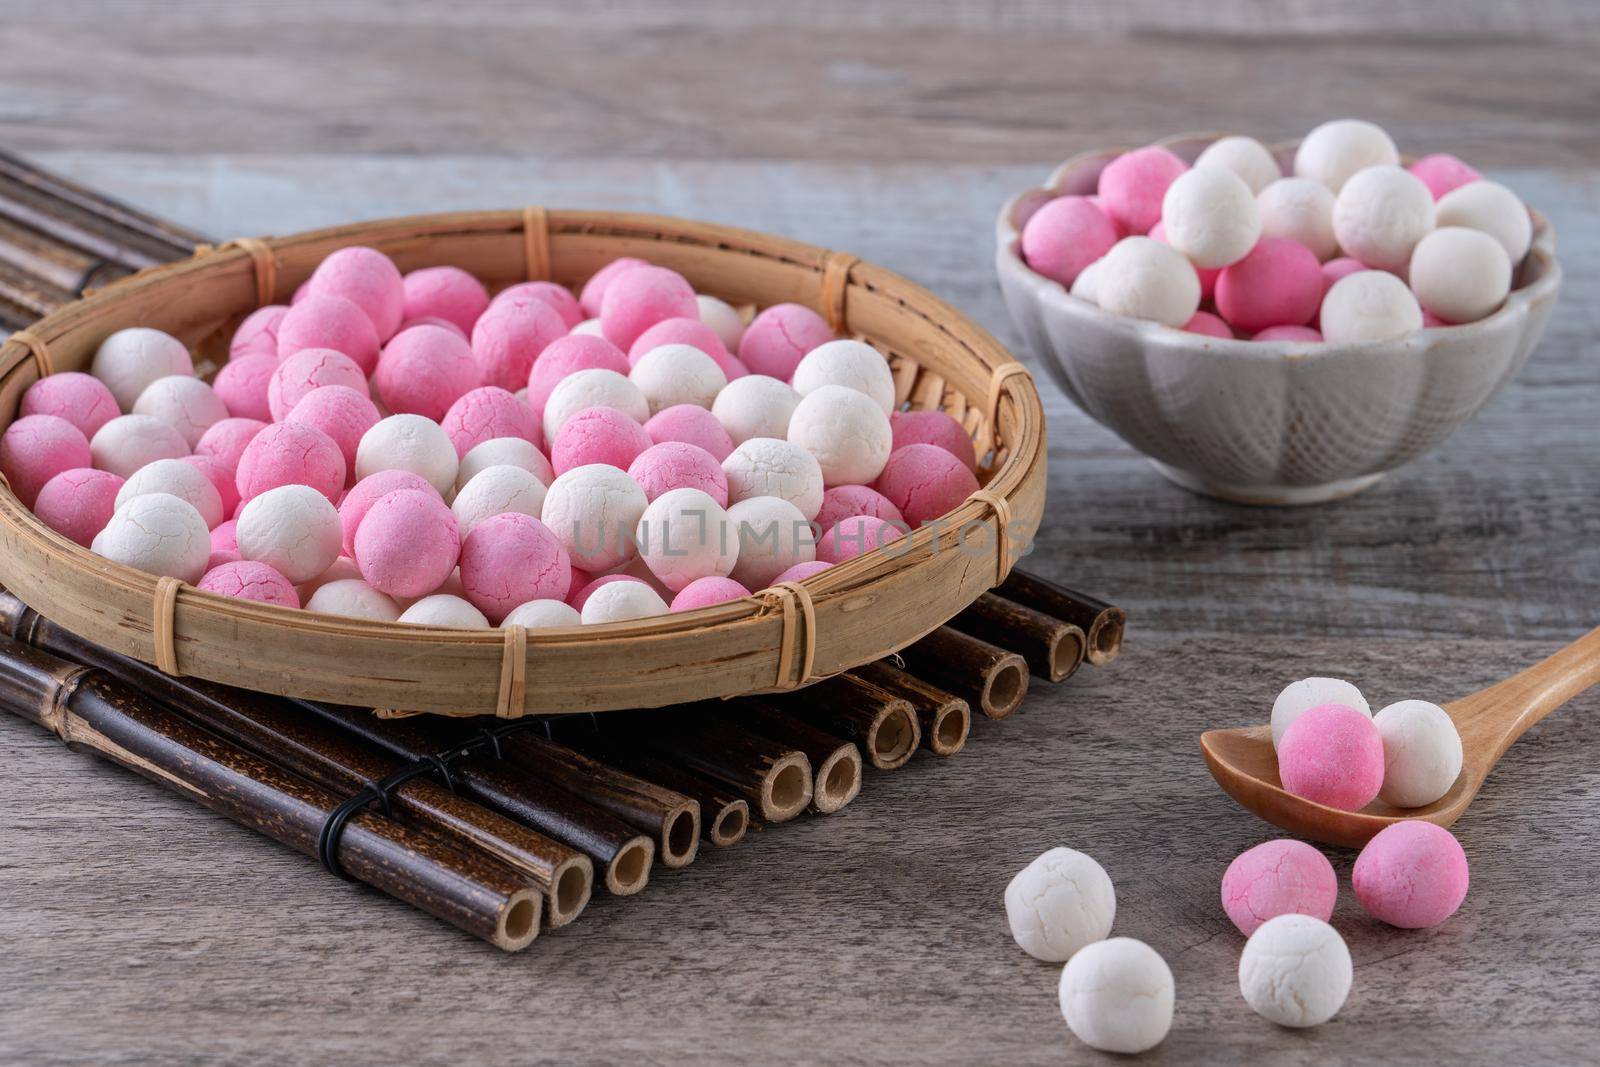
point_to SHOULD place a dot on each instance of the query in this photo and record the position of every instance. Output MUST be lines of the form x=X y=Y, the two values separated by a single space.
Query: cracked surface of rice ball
x=755 y=406
x=594 y=388
x=340 y=412
x=1282 y=877
x=1295 y=971
x=81 y=399
x=637 y=299
x=766 y=466
x=843 y=501
x=557 y=297
x=495 y=491
x=78 y=503
x=36 y=448
x=486 y=413
x=845 y=431
x=853 y=364
x=329 y=322
x=180 y=479
x=292 y=528
x=934 y=428
x=774 y=536
x=243 y=384
x=130 y=359
x=250 y=580
x=159 y=534
x=925 y=482
x=509 y=560
x=679 y=465
x=407 y=543
x=505 y=450
x=128 y=442
x=1060 y=902
x=424 y=369
x=258 y=333
x=353 y=599
x=677 y=374
x=368 y=279
x=509 y=339
x=409 y=442
x=288 y=453
x=597 y=435
x=854 y=535
x=594 y=511
x=368 y=491
x=444 y=292
x=594 y=290
x=779 y=337
x=307 y=370
x=569 y=355
x=691 y=425
x=1117 y=995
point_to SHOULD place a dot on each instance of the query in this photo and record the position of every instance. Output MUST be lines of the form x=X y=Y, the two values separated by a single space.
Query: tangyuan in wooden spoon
x=1245 y=764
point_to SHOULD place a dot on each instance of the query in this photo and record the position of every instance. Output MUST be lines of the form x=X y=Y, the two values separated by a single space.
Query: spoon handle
x=1491 y=719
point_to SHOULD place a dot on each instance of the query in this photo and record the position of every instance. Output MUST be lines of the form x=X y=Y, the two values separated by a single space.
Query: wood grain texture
x=140 y=929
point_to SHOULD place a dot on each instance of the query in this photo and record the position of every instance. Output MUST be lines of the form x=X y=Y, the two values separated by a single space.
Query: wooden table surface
x=138 y=928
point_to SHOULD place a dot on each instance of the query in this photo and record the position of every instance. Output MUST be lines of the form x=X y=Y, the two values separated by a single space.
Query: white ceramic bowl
x=1266 y=422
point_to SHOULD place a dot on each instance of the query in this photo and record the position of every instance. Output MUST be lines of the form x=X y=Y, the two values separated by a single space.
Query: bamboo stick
x=285 y=736
x=1103 y=623
x=622 y=856
x=836 y=762
x=91 y=711
x=774 y=778
x=944 y=717
x=989 y=678
x=1054 y=648
x=724 y=817
x=847 y=706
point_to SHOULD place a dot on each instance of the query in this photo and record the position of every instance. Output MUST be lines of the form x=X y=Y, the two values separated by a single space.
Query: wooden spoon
x=1244 y=763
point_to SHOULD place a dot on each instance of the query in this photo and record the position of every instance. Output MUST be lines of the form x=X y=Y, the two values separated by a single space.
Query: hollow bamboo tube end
x=629 y=870
x=837 y=780
x=518 y=922
x=1105 y=636
x=1067 y=652
x=1004 y=687
x=680 y=835
x=571 y=884
x=786 y=788
x=729 y=825
x=947 y=727
x=895 y=735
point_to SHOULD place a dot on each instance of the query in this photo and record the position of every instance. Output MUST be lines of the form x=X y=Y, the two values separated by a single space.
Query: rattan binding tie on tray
x=536 y=242
x=799 y=625
x=39 y=350
x=836 y=270
x=261 y=255
x=1002 y=522
x=513 y=673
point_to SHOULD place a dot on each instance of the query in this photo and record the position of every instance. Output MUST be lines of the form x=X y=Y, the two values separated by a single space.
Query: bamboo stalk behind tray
x=945 y=718
x=93 y=712
x=884 y=725
x=284 y=735
x=622 y=856
x=835 y=762
x=1054 y=648
x=990 y=679
x=774 y=778
x=724 y=817
x=1103 y=623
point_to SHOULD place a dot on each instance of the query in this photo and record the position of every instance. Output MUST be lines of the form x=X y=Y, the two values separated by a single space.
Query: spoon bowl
x=1245 y=764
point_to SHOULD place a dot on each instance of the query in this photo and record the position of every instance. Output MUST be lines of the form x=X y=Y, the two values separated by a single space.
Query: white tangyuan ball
x=594 y=510
x=589 y=327
x=1460 y=275
x=1144 y=279
x=159 y=534
x=669 y=375
x=855 y=364
x=1369 y=305
x=1086 y=286
x=129 y=442
x=512 y=451
x=129 y=360
x=1295 y=971
x=495 y=491
x=443 y=609
x=184 y=402
x=1300 y=210
x=847 y=434
x=621 y=601
x=293 y=529
x=685 y=535
x=181 y=480
x=773 y=536
x=1381 y=214
x=1210 y=215
x=1059 y=903
x=1245 y=156
x=543 y=615
x=723 y=319
x=766 y=466
x=409 y=443
x=1492 y=208
x=593 y=388
x=1297 y=698
x=354 y=599
x=1334 y=151
x=1421 y=753
x=1117 y=995
x=755 y=406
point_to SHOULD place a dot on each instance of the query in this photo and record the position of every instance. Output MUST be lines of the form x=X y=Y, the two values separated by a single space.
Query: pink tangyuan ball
x=308 y=369
x=1208 y=325
x=594 y=290
x=779 y=337
x=250 y=580
x=1335 y=269
x=1442 y=173
x=1412 y=874
x=1277 y=283
x=287 y=453
x=597 y=435
x=78 y=503
x=220 y=475
x=343 y=413
x=81 y=399
x=924 y=482
x=568 y=355
x=368 y=279
x=435 y=320
x=510 y=337
x=558 y=297
x=329 y=322
x=36 y=448
x=1132 y=186
x=679 y=465
x=1282 y=877
x=637 y=299
x=368 y=491
x=423 y=370
x=486 y=413
x=1065 y=236
x=693 y=425
x=244 y=385
x=843 y=501
x=257 y=335
x=407 y=543
x=448 y=293
x=704 y=592
x=690 y=332
x=225 y=536
x=801 y=571
x=1288 y=333
x=1332 y=755
x=225 y=441
x=934 y=428
x=853 y=535
x=510 y=559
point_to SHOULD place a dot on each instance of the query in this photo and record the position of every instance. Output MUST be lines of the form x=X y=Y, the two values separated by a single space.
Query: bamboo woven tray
x=853 y=613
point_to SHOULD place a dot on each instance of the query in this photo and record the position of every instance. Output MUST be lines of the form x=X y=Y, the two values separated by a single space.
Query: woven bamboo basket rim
x=854 y=612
